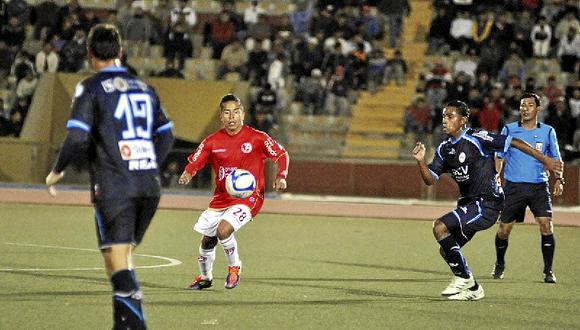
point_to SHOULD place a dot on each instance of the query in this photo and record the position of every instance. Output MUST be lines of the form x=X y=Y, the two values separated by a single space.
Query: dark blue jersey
x=123 y=119
x=470 y=161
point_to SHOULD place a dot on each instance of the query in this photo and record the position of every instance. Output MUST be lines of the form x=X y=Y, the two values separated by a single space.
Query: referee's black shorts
x=519 y=195
x=123 y=221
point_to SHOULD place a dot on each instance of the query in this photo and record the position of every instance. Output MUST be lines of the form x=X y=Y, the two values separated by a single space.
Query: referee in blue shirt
x=526 y=184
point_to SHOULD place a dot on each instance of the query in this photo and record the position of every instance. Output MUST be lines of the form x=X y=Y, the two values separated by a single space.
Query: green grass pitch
x=300 y=272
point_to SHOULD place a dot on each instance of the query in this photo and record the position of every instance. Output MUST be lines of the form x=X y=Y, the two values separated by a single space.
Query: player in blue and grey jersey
x=118 y=122
x=526 y=184
x=468 y=155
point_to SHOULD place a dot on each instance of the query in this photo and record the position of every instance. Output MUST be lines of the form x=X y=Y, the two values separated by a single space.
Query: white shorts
x=237 y=215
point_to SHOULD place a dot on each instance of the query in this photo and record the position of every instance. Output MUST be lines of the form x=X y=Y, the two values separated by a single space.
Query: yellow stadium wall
x=23 y=161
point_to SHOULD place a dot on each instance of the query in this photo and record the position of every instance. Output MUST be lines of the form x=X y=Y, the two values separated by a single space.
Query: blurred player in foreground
x=526 y=184
x=468 y=155
x=118 y=122
x=234 y=146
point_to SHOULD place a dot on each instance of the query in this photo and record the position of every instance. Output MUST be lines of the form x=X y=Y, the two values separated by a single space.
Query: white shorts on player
x=237 y=216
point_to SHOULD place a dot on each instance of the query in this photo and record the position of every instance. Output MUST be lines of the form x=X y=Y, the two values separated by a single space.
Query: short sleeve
x=82 y=114
x=437 y=166
x=489 y=143
x=271 y=148
x=554 y=150
x=505 y=132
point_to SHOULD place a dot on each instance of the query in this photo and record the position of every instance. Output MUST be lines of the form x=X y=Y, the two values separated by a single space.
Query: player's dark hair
x=531 y=96
x=230 y=98
x=461 y=107
x=104 y=42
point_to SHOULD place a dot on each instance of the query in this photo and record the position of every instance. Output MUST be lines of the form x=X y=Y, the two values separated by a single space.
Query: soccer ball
x=240 y=184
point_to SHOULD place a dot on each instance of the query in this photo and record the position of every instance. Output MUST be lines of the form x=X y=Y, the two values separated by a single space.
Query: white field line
x=171 y=262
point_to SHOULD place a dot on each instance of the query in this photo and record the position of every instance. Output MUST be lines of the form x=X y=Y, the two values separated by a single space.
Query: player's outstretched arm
x=550 y=164
x=419 y=154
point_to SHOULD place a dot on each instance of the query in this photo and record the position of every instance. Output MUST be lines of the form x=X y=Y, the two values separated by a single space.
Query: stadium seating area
x=373 y=123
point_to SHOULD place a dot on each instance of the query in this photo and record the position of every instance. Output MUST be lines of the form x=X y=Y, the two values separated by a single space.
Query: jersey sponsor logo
x=219 y=150
x=452 y=151
x=142 y=164
x=246 y=147
x=139 y=153
x=136 y=149
x=269 y=146
x=483 y=135
x=141 y=85
x=462 y=157
x=539 y=146
x=460 y=173
x=198 y=152
x=108 y=86
x=120 y=84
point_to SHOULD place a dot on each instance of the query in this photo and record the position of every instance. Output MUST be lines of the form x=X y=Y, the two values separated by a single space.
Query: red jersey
x=248 y=150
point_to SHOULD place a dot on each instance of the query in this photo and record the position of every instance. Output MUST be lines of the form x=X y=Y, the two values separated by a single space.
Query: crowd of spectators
x=328 y=45
x=488 y=53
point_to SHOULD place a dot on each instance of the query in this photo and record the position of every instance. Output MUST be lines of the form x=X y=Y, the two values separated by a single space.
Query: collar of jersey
x=520 y=124
x=459 y=137
x=114 y=69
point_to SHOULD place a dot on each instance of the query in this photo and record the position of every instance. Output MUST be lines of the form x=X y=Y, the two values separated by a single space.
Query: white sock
x=230 y=246
x=205 y=261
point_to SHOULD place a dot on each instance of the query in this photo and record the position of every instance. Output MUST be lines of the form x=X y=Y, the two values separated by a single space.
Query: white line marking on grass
x=171 y=262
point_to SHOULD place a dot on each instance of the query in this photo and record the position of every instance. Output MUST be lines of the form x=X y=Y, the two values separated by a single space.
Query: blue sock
x=127 y=305
x=501 y=246
x=454 y=257
x=548 y=247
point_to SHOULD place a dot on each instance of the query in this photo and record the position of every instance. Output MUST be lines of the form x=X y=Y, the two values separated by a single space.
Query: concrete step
x=358 y=141
x=370 y=153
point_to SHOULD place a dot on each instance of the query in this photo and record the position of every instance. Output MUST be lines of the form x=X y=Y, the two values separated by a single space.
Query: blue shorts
x=520 y=195
x=471 y=217
x=123 y=221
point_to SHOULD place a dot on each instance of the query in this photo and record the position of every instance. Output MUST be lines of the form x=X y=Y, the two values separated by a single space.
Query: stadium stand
x=373 y=126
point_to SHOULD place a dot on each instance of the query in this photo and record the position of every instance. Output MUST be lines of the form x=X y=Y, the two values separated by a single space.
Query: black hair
x=104 y=42
x=230 y=98
x=531 y=96
x=461 y=107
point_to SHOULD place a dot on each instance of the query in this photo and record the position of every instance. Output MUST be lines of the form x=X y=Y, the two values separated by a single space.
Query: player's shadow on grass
x=318 y=302
x=86 y=279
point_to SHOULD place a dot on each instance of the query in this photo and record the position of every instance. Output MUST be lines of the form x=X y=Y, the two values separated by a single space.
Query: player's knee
x=208 y=243
x=504 y=230
x=224 y=230
x=546 y=227
x=439 y=229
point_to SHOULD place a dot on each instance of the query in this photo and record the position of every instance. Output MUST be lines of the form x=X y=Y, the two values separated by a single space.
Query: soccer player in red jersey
x=234 y=146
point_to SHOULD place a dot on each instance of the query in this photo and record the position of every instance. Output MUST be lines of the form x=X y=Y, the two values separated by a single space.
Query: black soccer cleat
x=497 y=272
x=549 y=277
